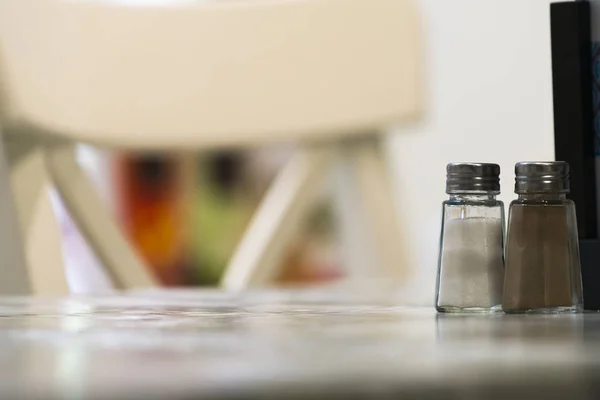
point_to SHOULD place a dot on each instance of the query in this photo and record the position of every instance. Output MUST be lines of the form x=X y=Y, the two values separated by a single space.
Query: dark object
x=225 y=169
x=573 y=129
x=154 y=175
x=573 y=109
x=590 y=273
x=543 y=272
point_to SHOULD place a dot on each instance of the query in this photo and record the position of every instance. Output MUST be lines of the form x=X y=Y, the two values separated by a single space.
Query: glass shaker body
x=471 y=265
x=543 y=272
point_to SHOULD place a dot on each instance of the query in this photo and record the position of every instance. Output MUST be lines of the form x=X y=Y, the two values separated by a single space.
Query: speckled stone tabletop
x=287 y=344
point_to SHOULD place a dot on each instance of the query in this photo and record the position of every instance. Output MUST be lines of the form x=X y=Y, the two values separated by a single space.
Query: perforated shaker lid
x=472 y=177
x=542 y=177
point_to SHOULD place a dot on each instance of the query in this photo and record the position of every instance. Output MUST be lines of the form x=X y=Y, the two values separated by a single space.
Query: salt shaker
x=471 y=264
x=543 y=272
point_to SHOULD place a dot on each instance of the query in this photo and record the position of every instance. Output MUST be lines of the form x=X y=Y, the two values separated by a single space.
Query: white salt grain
x=472 y=265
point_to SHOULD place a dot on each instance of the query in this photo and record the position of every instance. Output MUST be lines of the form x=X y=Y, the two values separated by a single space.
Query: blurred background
x=185 y=214
x=487 y=75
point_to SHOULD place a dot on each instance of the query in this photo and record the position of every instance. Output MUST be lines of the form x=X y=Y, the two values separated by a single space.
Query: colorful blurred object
x=186 y=218
x=151 y=204
x=230 y=186
x=222 y=208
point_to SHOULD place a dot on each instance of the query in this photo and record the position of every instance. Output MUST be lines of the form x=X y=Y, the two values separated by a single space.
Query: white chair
x=195 y=75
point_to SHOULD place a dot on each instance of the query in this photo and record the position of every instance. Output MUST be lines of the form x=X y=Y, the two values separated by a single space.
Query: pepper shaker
x=471 y=264
x=543 y=272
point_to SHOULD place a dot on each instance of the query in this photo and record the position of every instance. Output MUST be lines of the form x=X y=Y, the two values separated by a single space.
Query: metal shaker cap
x=542 y=177
x=472 y=177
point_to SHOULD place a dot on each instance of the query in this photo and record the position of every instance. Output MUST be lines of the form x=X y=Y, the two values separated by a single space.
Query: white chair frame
x=331 y=74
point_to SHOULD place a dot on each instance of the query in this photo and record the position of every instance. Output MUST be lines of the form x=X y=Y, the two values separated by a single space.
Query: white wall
x=489 y=89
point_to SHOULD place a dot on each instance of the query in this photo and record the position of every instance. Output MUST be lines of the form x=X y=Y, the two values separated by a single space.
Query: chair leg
x=278 y=219
x=43 y=264
x=94 y=220
x=372 y=244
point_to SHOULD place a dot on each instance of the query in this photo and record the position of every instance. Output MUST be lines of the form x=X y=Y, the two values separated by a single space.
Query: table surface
x=281 y=344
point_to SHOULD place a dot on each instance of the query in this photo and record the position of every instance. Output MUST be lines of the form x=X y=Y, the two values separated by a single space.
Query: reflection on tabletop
x=268 y=343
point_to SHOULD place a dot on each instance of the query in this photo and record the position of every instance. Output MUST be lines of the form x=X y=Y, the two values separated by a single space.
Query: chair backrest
x=200 y=74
